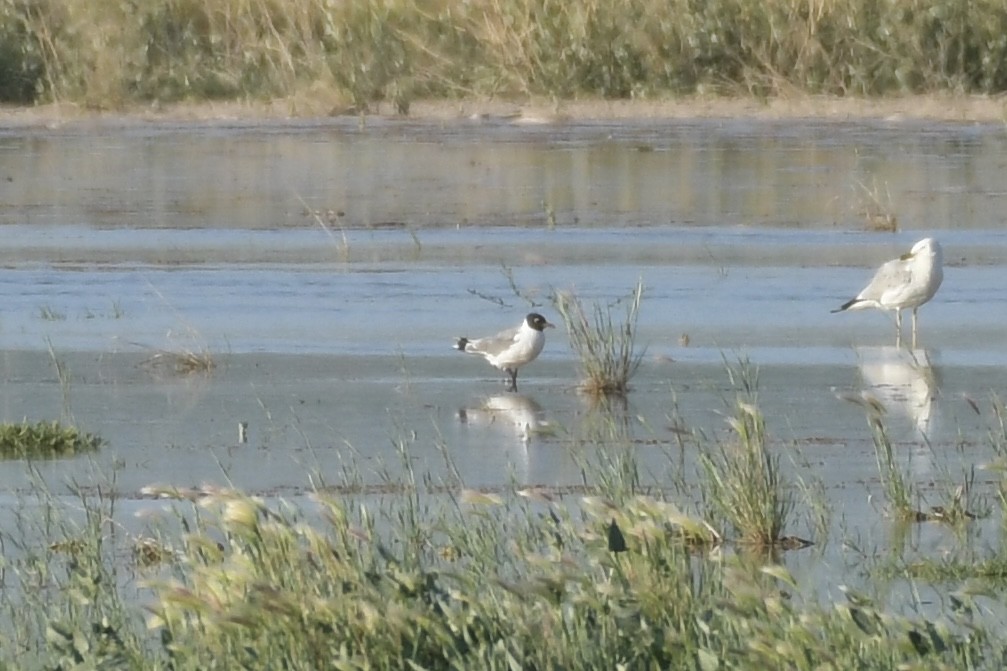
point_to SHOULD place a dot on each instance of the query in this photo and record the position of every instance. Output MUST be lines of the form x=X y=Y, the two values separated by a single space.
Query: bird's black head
x=537 y=322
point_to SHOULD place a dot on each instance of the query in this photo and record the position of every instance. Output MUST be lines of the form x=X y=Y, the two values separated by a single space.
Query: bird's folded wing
x=892 y=276
x=494 y=345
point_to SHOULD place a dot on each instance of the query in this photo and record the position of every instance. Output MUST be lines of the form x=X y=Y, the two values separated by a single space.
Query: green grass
x=900 y=493
x=48 y=314
x=743 y=476
x=475 y=581
x=44 y=440
x=606 y=348
x=942 y=570
x=105 y=54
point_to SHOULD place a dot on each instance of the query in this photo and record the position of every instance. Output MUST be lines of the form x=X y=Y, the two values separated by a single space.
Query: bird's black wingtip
x=460 y=343
x=845 y=306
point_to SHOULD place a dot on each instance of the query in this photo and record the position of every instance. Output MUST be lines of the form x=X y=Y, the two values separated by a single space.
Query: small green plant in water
x=606 y=349
x=899 y=490
x=745 y=483
x=49 y=314
x=44 y=440
x=743 y=477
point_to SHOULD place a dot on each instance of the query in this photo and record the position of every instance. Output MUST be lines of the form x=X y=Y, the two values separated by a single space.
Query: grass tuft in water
x=743 y=476
x=180 y=362
x=898 y=488
x=746 y=487
x=191 y=356
x=876 y=208
x=49 y=314
x=44 y=440
x=605 y=348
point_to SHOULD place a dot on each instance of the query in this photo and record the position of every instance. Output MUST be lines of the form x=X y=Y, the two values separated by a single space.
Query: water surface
x=325 y=267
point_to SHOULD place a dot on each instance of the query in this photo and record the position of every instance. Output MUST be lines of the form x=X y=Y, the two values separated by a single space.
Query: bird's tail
x=847 y=305
x=461 y=343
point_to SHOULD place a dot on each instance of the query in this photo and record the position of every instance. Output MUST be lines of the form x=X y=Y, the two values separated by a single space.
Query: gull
x=906 y=282
x=510 y=349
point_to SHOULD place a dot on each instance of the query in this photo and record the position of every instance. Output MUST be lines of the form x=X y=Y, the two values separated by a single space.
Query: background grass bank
x=108 y=54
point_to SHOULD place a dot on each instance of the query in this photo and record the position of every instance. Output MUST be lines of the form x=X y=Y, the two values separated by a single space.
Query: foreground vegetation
x=418 y=574
x=106 y=54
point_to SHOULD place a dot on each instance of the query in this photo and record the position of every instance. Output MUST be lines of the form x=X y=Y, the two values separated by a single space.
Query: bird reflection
x=514 y=412
x=903 y=380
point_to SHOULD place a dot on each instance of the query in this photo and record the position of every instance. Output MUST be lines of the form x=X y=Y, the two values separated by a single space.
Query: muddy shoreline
x=961 y=109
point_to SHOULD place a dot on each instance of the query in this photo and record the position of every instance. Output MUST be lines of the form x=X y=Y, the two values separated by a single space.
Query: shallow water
x=325 y=267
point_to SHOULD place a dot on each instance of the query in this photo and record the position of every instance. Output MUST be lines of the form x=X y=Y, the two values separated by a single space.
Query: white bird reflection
x=903 y=380
x=514 y=412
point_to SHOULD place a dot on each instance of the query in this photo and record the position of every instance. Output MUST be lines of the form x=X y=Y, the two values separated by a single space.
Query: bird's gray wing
x=493 y=345
x=892 y=276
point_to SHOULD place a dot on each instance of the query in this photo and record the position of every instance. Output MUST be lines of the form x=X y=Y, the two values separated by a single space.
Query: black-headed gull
x=511 y=349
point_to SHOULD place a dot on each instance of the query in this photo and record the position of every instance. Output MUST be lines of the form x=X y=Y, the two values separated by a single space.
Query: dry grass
x=189 y=354
x=876 y=207
x=107 y=55
x=181 y=362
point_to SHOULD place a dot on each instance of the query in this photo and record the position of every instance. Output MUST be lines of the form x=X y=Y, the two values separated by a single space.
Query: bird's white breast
x=527 y=345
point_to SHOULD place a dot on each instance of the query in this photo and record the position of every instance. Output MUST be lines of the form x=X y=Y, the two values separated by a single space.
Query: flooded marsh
x=322 y=270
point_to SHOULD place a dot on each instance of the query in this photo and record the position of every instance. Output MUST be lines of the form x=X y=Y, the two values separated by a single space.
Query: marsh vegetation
x=44 y=440
x=627 y=570
x=427 y=573
x=108 y=54
x=606 y=347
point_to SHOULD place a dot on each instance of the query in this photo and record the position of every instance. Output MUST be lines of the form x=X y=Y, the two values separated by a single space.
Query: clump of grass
x=902 y=497
x=745 y=483
x=192 y=355
x=180 y=362
x=899 y=491
x=493 y=584
x=949 y=568
x=63 y=373
x=47 y=313
x=876 y=208
x=962 y=504
x=606 y=349
x=150 y=552
x=996 y=435
x=44 y=440
x=645 y=518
